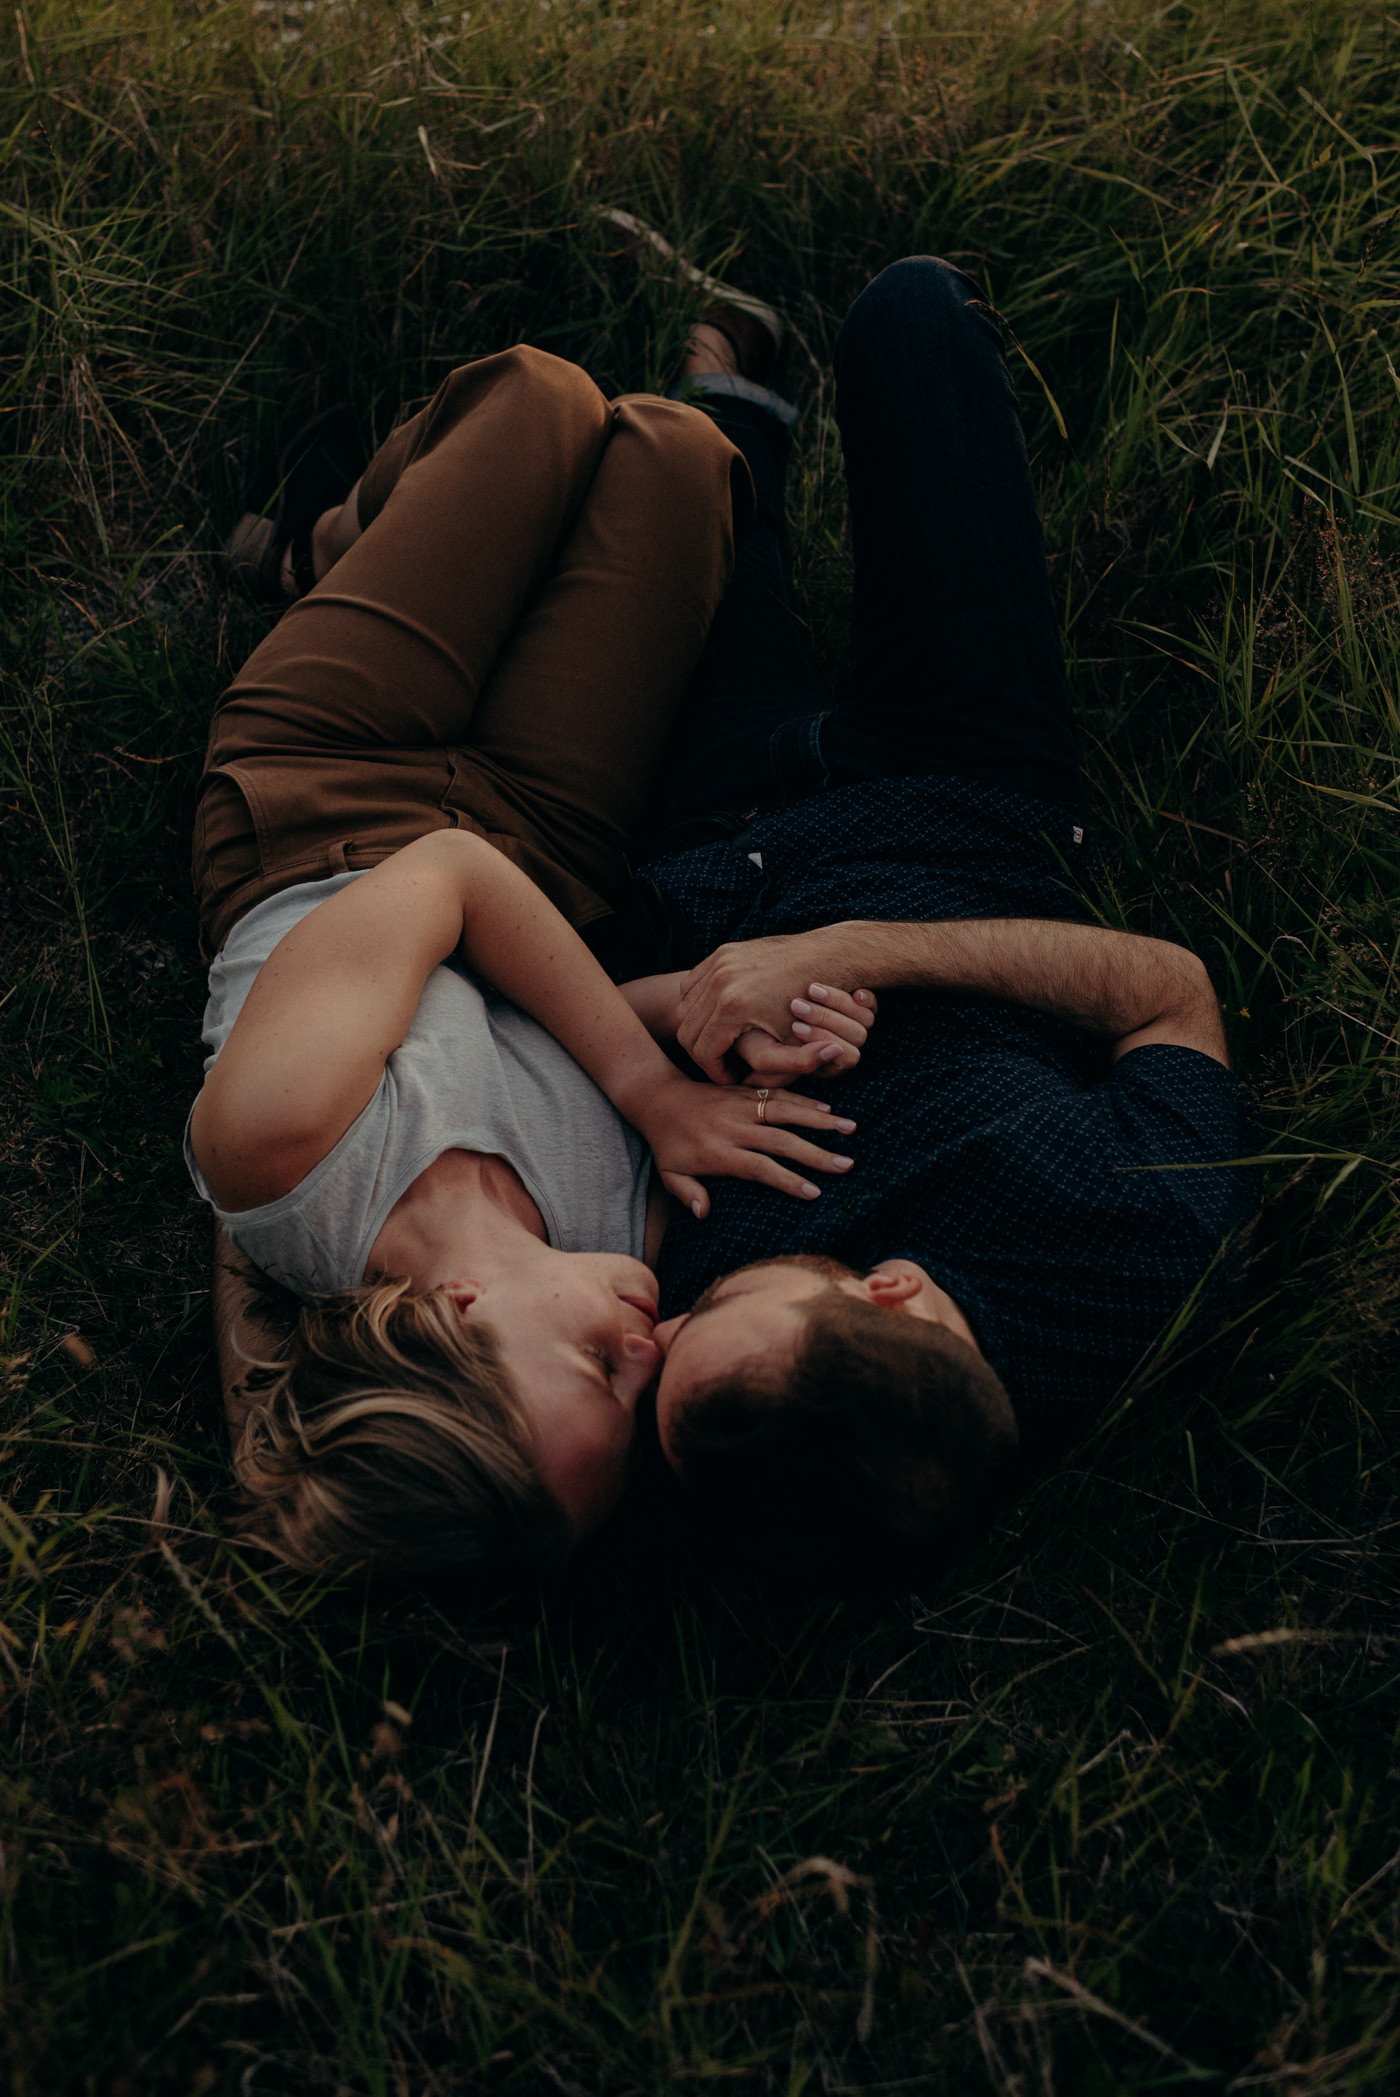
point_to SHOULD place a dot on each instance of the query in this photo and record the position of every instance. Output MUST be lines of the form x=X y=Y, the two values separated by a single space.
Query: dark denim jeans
x=956 y=664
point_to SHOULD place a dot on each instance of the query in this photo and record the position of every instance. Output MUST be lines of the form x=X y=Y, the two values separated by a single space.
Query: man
x=1046 y=1114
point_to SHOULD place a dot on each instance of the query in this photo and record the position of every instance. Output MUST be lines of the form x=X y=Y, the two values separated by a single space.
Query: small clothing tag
x=757 y=858
x=1078 y=835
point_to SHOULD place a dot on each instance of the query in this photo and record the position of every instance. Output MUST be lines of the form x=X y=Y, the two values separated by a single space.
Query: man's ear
x=463 y=1292
x=893 y=1285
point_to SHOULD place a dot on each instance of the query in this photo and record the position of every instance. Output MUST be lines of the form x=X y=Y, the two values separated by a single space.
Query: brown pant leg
x=570 y=730
x=552 y=759
x=330 y=748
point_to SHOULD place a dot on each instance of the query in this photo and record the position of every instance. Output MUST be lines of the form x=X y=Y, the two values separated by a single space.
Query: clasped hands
x=756 y=1014
x=772 y=1005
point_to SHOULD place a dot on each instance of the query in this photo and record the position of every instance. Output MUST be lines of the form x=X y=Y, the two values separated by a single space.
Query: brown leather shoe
x=752 y=328
x=754 y=348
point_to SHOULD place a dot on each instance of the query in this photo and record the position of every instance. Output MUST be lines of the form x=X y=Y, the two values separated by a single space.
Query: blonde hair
x=391 y=1436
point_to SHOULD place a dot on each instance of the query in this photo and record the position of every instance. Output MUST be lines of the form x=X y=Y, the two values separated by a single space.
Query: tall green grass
x=1117 y=1808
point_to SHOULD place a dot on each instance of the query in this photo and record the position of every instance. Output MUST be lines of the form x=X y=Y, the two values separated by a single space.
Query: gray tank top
x=472 y=1073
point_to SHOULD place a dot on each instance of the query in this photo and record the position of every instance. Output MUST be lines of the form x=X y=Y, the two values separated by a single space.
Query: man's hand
x=696 y=1128
x=779 y=1004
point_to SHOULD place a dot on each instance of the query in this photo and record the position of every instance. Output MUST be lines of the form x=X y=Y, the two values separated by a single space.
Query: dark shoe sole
x=316 y=469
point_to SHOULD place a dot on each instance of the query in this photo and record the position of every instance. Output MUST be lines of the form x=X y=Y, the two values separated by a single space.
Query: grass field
x=1118 y=1807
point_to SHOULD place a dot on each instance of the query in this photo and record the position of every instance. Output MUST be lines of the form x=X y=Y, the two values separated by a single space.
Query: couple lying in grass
x=881 y=1167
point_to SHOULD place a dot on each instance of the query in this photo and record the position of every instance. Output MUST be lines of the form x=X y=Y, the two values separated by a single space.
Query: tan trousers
x=503 y=650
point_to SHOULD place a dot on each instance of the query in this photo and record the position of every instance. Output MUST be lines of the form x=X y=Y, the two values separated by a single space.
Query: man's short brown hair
x=874 y=1464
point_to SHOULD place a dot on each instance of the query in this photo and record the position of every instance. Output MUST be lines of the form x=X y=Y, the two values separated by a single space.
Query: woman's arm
x=336 y=997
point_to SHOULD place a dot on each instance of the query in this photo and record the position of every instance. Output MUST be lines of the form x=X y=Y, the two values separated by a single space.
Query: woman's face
x=575 y=1332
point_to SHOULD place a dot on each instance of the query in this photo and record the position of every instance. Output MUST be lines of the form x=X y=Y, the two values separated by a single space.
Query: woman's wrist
x=656 y=1002
x=637 y=1080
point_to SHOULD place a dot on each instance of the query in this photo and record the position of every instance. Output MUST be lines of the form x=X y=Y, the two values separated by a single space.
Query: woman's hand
x=776 y=1002
x=694 y=1128
x=831 y=1029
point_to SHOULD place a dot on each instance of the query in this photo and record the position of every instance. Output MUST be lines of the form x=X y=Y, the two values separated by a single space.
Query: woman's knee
x=689 y=451
x=548 y=391
x=554 y=378
x=522 y=397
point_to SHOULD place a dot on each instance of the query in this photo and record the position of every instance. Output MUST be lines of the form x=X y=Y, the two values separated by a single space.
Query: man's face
x=751 y=1320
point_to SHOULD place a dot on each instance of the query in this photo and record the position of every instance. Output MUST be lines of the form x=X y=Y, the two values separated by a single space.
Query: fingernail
x=800 y=1005
x=818 y=990
x=844 y=1126
x=809 y=1190
x=827 y=1053
x=800 y=1027
x=823 y=1106
x=695 y=1208
x=838 y=1159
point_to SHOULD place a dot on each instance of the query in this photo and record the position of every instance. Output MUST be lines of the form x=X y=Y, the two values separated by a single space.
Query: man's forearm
x=1116 y=984
x=1131 y=990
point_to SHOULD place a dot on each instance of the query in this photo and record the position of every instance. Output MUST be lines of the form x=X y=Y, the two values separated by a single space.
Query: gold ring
x=762 y=1102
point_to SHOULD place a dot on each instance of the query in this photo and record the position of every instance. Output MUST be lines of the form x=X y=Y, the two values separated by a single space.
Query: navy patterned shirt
x=1036 y=1182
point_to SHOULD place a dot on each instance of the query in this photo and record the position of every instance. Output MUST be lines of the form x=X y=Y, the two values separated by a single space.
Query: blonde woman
x=427 y=1111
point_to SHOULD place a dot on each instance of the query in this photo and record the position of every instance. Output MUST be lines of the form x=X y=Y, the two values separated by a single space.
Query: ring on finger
x=762 y=1103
